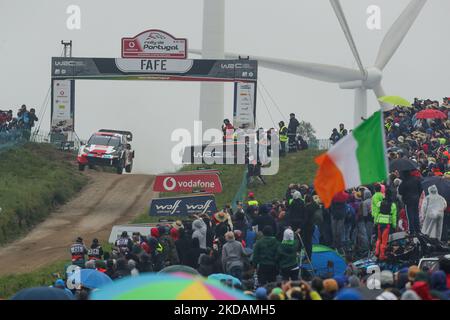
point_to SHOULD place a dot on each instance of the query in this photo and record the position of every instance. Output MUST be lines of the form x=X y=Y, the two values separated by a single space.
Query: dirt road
x=108 y=199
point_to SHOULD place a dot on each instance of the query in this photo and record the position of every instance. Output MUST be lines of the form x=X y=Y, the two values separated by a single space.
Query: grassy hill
x=44 y=276
x=294 y=168
x=34 y=179
x=13 y=283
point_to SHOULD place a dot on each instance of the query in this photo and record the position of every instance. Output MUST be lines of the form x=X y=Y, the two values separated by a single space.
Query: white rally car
x=107 y=148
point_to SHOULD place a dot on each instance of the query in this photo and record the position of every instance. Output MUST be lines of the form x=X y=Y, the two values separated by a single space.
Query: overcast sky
x=306 y=30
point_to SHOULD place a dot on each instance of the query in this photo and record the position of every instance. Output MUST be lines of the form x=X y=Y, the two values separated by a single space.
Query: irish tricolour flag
x=357 y=159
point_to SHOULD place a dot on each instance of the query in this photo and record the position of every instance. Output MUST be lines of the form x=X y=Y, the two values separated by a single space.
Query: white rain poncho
x=432 y=209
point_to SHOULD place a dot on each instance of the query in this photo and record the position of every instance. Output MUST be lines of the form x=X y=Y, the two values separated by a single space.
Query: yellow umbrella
x=395 y=101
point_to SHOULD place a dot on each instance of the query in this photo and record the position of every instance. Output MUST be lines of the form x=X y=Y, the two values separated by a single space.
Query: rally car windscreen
x=105 y=141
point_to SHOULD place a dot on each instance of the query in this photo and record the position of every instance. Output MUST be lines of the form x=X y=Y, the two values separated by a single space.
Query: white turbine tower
x=211 y=93
x=361 y=79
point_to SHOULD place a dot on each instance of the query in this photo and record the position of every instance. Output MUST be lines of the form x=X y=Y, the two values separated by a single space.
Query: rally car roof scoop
x=127 y=133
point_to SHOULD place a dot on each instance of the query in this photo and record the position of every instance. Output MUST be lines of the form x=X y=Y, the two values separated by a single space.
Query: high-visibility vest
x=389 y=218
x=388 y=126
x=283 y=137
x=253 y=203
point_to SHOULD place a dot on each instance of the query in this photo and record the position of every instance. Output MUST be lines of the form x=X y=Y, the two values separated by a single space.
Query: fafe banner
x=62 y=109
x=244 y=110
x=183 y=206
x=154 y=69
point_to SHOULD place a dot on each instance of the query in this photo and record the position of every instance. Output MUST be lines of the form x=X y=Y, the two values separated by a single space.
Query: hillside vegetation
x=294 y=168
x=34 y=179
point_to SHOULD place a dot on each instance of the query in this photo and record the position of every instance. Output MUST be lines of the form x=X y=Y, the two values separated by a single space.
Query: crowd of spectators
x=264 y=245
x=259 y=245
x=337 y=135
x=24 y=119
x=19 y=126
x=425 y=141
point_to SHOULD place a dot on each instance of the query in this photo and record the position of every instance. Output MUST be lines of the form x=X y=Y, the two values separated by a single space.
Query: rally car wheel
x=81 y=167
x=120 y=166
x=129 y=167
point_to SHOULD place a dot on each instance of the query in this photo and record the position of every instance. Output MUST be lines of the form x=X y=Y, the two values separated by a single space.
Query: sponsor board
x=187 y=182
x=227 y=153
x=244 y=111
x=183 y=206
x=62 y=106
x=154 y=43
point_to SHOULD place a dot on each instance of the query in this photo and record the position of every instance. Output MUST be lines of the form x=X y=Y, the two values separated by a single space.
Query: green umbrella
x=395 y=101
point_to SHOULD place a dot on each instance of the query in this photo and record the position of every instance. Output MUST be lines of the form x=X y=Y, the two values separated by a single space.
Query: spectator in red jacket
x=228 y=131
x=3 y=117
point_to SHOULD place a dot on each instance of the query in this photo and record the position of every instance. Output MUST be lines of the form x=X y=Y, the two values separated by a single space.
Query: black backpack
x=385 y=207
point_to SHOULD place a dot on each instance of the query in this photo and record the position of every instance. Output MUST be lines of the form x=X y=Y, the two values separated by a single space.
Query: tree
x=306 y=130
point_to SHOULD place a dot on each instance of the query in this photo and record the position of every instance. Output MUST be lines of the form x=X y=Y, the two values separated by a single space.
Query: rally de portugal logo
x=169 y=183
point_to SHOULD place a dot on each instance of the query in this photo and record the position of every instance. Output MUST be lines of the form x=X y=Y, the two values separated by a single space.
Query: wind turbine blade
x=336 y=4
x=379 y=92
x=317 y=71
x=397 y=33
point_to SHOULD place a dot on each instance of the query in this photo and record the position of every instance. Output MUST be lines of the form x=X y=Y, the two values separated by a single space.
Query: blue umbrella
x=226 y=277
x=89 y=278
x=42 y=293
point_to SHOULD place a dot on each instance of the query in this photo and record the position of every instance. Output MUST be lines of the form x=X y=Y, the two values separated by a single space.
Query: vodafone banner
x=179 y=182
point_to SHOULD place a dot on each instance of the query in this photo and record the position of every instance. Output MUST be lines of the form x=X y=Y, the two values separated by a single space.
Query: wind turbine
x=361 y=79
x=213 y=42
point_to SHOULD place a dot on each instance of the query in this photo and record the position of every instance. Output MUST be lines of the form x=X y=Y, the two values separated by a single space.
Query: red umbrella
x=431 y=114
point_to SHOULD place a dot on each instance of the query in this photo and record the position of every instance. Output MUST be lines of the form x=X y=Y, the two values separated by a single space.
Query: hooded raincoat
x=433 y=211
x=200 y=229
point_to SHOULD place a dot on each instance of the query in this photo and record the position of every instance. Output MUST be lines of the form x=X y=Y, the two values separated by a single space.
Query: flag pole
x=386 y=161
